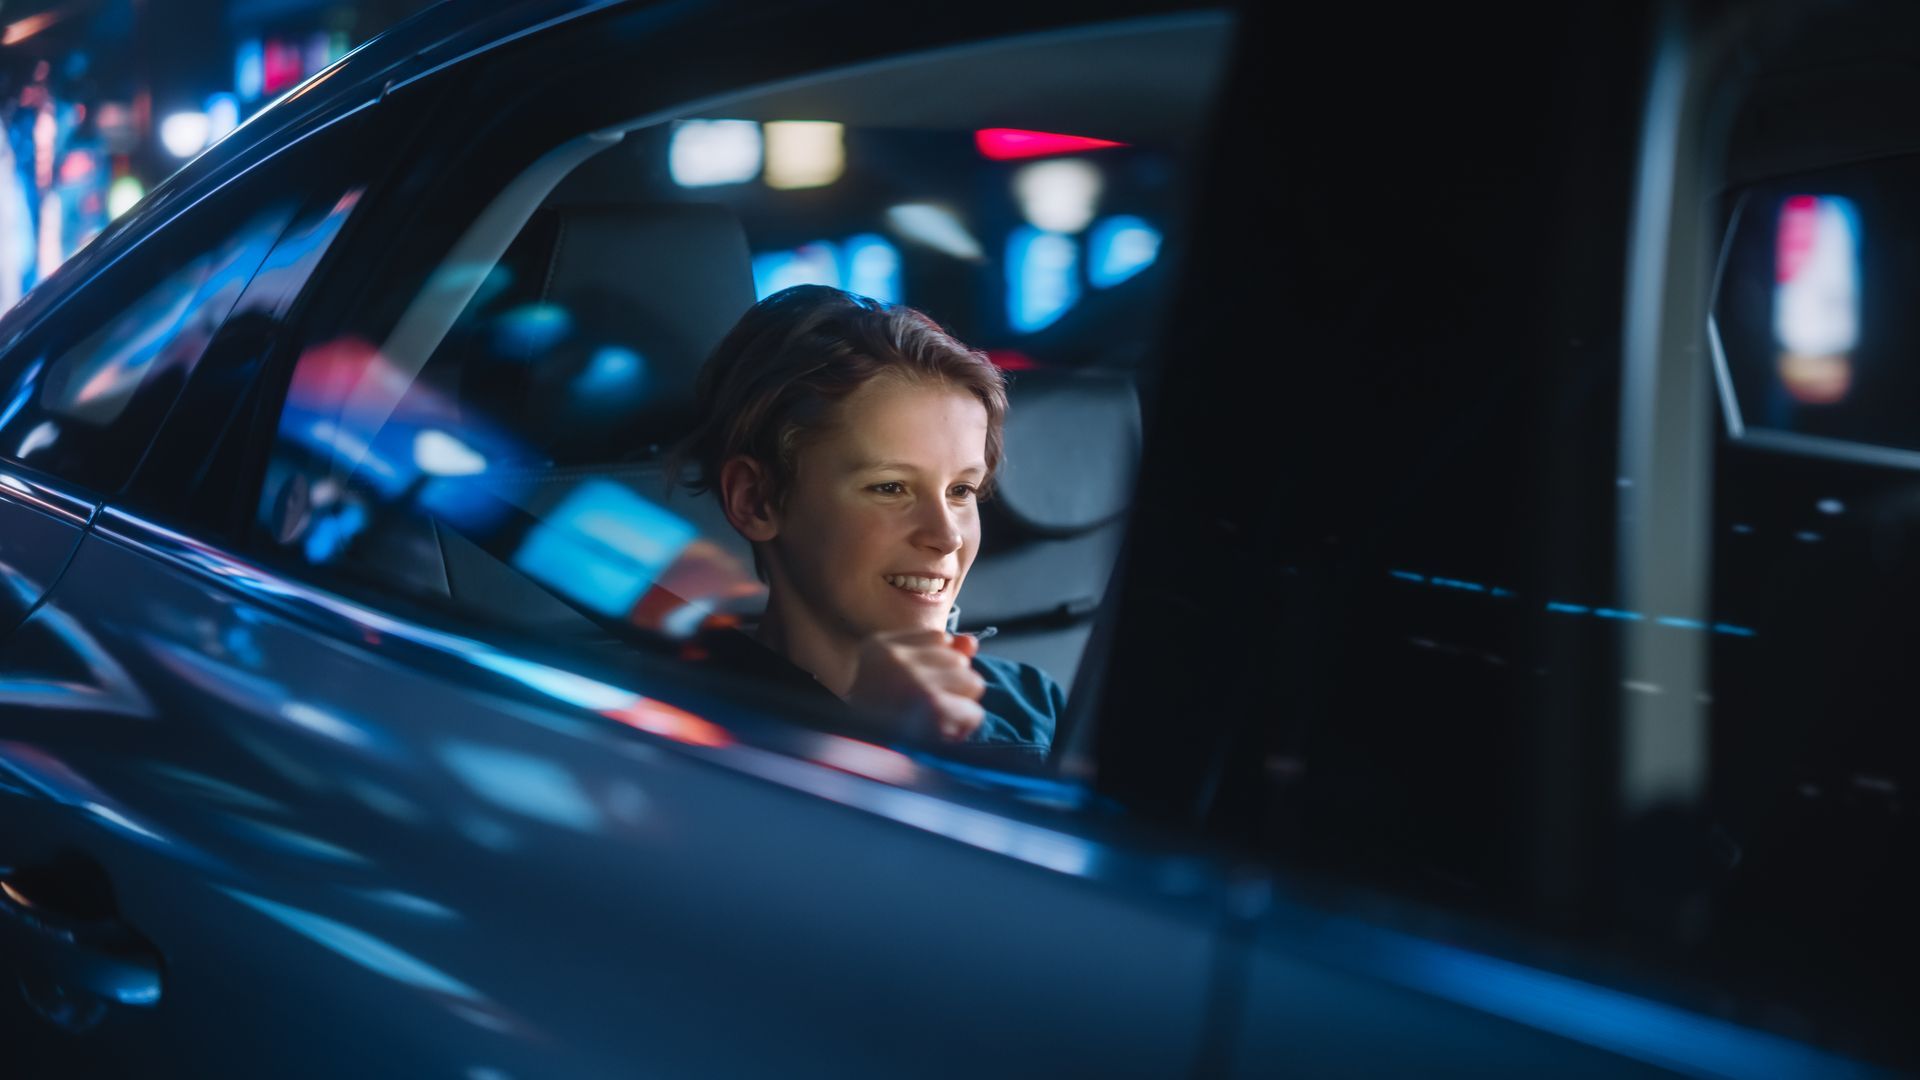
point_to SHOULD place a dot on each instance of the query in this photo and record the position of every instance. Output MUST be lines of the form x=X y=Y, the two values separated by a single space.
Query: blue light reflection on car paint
x=358 y=946
x=112 y=690
x=530 y=786
x=291 y=842
x=25 y=388
x=1615 y=1021
x=408 y=902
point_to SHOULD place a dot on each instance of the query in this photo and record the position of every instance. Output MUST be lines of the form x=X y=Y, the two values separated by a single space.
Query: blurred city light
x=816 y=263
x=1006 y=144
x=1816 y=308
x=704 y=153
x=122 y=195
x=52 y=251
x=872 y=267
x=1120 y=247
x=21 y=29
x=1058 y=196
x=804 y=153
x=250 y=70
x=937 y=227
x=184 y=134
x=1041 y=278
x=223 y=115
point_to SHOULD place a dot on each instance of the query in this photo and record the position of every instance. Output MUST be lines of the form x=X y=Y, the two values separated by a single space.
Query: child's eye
x=964 y=491
x=891 y=487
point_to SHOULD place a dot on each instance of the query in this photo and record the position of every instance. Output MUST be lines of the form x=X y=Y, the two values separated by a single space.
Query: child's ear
x=744 y=497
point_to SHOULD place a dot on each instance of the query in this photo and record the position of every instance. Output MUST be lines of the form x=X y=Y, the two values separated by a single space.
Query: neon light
x=1042 y=282
x=1567 y=609
x=1118 y=248
x=1008 y=144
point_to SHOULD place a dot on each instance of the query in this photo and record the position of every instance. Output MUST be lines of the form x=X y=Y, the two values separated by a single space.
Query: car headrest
x=1072 y=450
x=619 y=306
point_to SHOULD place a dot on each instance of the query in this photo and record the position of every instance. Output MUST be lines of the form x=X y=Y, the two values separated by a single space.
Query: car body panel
x=298 y=815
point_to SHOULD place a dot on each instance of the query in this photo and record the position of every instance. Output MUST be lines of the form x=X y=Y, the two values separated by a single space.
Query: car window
x=86 y=388
x=1599 y=671
x=486 y=425
x=1812 y=758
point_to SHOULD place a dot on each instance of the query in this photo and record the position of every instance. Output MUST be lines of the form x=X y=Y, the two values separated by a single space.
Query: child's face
x=885 y=496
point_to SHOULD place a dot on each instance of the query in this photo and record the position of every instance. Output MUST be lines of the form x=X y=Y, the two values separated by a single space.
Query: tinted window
x=87 y=388
x=1814 y=756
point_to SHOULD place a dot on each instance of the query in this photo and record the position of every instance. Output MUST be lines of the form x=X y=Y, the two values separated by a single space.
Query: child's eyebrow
x=902 y=466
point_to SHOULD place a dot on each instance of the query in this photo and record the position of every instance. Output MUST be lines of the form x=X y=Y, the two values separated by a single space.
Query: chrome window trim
x=30 y=487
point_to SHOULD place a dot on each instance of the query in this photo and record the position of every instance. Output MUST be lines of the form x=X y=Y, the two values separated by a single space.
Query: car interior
x=561 y=339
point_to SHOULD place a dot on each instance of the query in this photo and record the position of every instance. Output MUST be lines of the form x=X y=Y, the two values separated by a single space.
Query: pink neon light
x=1006 y=144
x=1799 y=224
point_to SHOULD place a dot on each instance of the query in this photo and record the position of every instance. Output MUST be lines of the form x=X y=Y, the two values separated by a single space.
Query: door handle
x=62 y=918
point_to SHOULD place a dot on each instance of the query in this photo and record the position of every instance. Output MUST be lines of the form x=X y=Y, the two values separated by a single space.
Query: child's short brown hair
x=776 y=377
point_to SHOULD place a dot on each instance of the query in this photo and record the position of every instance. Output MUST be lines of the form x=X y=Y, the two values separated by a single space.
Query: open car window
x=487 y=427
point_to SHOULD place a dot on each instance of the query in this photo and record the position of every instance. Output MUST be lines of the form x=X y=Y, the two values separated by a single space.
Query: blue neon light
x=1118 y=248
x=1042 y=278
x=1609 y=1019
x=1568 y=609
x=1407 y=575
x=871 y=267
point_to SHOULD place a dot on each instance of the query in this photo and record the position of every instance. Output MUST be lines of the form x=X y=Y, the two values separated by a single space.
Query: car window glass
x=489 y=430
x=1813 y=858
x=86 y=389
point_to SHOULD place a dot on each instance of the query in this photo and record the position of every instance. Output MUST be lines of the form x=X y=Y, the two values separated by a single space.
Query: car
x=1480 y=592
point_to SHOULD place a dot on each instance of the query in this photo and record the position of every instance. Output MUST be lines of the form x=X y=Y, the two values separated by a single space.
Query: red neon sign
x=1006 y=144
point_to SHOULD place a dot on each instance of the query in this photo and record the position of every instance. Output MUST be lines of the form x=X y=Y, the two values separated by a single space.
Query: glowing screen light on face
x=809 y=264
x=1118 y=248
x=872 y=267
x=603 y=546
x=1816 y=296
x=704 y=153
x=1042 y=278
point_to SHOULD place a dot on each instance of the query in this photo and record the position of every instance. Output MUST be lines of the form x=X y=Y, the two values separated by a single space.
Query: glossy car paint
x=40 y=526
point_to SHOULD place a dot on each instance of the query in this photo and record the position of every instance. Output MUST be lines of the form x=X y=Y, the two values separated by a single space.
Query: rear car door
x=346 y=830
